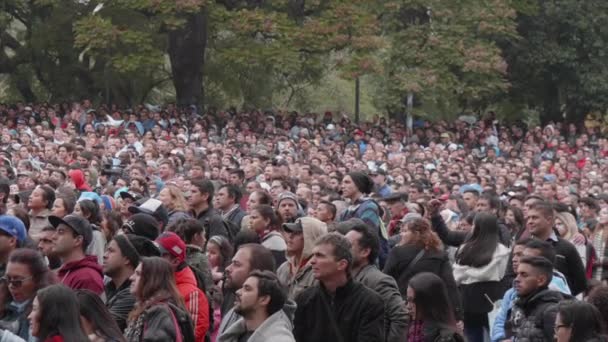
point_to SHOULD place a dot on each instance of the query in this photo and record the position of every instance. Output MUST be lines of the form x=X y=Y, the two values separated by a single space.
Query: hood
x=312 y=229
x=537 y=298
x=185 y=276
x=89 y=261
x=77 y=177
x=276 y=327
x=493 y=271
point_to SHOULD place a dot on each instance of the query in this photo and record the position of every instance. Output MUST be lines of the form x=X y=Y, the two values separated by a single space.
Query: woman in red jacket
x=55 y=315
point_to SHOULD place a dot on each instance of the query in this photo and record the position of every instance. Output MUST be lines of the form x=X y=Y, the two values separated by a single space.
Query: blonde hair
x=178 y=201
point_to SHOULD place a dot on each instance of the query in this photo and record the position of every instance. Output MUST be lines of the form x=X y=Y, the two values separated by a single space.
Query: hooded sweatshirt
x=80 y=183
x=85 y=273
x=276 y=328
x=297 y=275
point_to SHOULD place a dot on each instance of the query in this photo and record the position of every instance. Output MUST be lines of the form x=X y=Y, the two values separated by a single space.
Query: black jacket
x=120 y=301
x=213 y=223
x=354 y=314
x=456 y=238
x=569 y=263
x=398 y=267
x=532 y=318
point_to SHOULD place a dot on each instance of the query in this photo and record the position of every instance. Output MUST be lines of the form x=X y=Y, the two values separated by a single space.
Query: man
x=533 y=315
x=365 y=247
x=227 y=202
x=247 y=258
x=260 y=302
x=549 y=191
x=173 y=249
x=397 y=208
x=326 y=212
x=288 y=207
x=381 y=188
x=154 y=208
x=356 y=313
x=540 y=222
x=296 y=273
x=45 y=246
x=590 y=210
x=470 y=197
x=355 y=186
x=119 y=262
x=12 y=236
x=200 y=201
x=197 y=171
x=78 y=271
x=141 y=224
x=166 y=170
x=526 y=248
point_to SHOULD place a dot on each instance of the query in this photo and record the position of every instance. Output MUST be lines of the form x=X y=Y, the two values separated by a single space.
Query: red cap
x=171 y=243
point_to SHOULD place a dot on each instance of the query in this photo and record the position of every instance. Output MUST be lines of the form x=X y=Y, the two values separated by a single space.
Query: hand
x=578 y=239
x=460 y=327
x=434 y=206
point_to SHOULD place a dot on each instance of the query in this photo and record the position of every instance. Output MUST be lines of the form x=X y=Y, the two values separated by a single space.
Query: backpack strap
x=178 y=331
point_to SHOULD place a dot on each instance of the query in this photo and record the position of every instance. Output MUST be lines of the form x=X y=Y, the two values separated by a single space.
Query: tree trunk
x=187 y=55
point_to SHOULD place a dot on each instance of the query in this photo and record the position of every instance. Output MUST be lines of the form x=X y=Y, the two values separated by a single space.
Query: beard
x=244 y=311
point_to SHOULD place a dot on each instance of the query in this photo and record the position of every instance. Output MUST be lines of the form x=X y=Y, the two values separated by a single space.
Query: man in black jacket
x=532 y=317
x=339 y=308
x=540 y=222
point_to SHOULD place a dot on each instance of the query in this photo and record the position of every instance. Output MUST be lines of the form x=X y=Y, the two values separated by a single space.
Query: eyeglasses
x=559 y=326
x=15 y=282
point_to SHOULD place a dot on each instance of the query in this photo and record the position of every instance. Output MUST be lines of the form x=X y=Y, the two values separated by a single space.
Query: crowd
x=166 y=224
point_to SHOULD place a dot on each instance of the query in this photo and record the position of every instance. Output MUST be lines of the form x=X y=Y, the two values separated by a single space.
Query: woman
x=265 y=222
x=578 y=321
x=111 y=221
x=430 y=310
x=514 y=219
x=63 y=205
x=55 y=315
x=219 y=253
x=175 y=202
x=479 y=270
x=157 y=302
x=96 y=320
x=26 y=273
x=565 y=224
x=90 y=211
x=420 y=250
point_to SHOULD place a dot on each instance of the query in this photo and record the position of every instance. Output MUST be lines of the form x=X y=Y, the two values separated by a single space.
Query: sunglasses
x=15 y=282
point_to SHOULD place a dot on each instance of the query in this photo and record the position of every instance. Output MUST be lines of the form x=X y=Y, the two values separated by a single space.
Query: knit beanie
x=133 y=247
x=362 y=181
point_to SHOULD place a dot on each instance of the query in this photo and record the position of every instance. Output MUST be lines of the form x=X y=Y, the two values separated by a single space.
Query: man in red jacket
x=173 y=248
x=70 y=240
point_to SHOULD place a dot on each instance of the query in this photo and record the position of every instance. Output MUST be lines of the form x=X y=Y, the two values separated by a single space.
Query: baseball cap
x=294 y=227
x=142 y=225
x=171 y=243
x=13 y=227
x=153 y=207
x=78 y=224
x=131 y=195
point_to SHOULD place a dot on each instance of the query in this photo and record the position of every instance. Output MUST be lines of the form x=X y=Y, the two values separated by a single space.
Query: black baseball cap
x=78 y=224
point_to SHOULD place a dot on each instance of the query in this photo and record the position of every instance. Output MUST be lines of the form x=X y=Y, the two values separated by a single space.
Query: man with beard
x=260 y=302
x=247 y=258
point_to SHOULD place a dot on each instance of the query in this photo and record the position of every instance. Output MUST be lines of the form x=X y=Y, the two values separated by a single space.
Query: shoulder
x=307 y=296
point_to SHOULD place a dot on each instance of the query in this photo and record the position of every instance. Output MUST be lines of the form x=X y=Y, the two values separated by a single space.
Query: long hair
x=178 y=201
x=94 y=311
x=226 y=250
x=59 y=314
x=41 y=274
x=268 y=213
x=479 y=247
x=583 y=318
x=426 y=237
x=431 y=299
x=157 y=282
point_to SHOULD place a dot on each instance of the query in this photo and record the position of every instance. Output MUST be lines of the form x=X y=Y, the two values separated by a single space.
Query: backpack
x=183 y=321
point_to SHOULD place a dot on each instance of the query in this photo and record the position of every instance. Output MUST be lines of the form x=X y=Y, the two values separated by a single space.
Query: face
x=36 y=200
x=222 y=199
x=34 y=317
x=470 y=199
x=45 y=242
x=239 y=269
x=135 y=280
x=323 y=213
x=196 y=197
x=482 y=205
x=349 y=189
x=528 y=280
x=560 y=227
x=20 y=281
x=407 y=235
x=324 y=263
x=257 y=222
x=509 y=217
x=562 y=331
x=64 y=240
x=59 y=208
x=294 y=241
x=288 y=209
x=537 y=223
x=113 y=260
x=410 y=297
x=213 y=254
x=78 y=210
x=247 y=300
x=518 y=252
